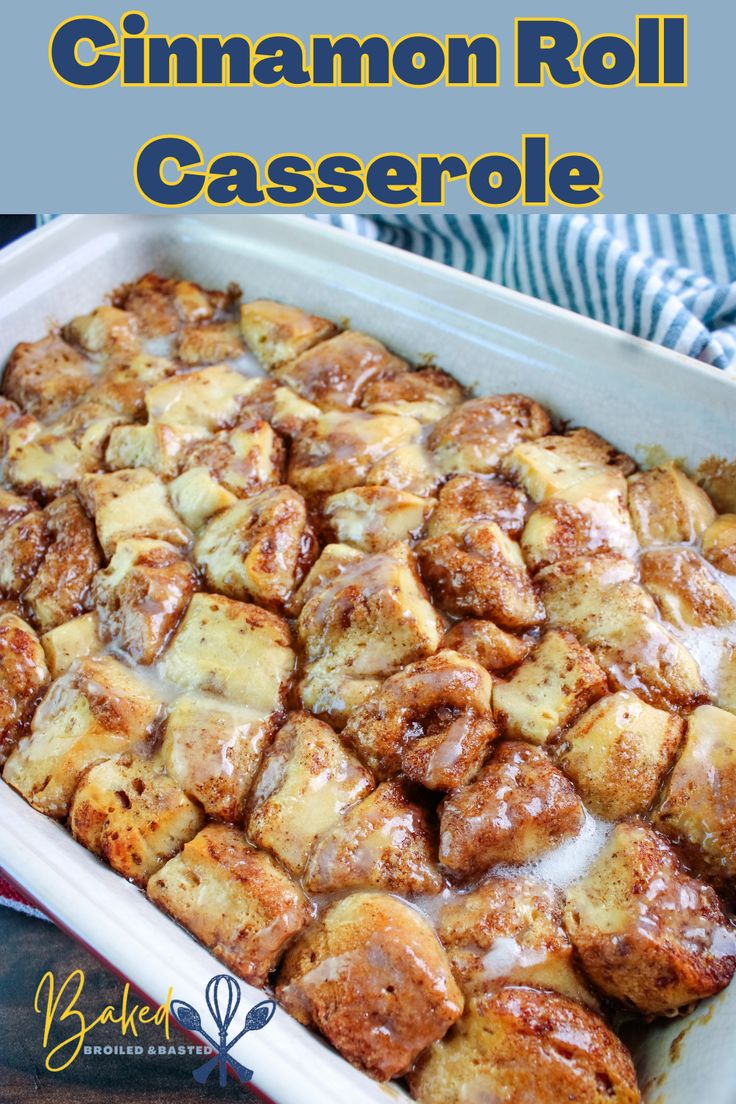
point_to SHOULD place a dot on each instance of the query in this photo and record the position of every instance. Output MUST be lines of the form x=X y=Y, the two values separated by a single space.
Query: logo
x=222 y=997
x=68 y=1030
x=62 y=1012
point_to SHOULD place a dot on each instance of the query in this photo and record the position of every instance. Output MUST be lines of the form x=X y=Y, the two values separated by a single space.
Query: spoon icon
x=223 y=999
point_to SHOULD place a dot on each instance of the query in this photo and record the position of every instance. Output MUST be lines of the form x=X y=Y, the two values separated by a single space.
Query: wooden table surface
x=30 y=947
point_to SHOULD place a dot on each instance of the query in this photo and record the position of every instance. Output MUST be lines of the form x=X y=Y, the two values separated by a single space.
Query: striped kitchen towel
x=668 y=278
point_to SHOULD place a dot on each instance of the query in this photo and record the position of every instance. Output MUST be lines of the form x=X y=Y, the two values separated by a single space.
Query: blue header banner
x=231 y=107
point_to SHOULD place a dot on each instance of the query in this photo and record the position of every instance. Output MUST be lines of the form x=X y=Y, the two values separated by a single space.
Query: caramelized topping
x=279 y=737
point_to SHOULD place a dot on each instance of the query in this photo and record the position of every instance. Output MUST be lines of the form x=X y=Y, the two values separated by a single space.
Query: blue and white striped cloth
x=668 y=278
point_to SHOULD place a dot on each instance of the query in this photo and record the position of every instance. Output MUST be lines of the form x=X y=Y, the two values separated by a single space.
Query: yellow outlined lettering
x=189 y=170
x=544 y=65
x=101 y=50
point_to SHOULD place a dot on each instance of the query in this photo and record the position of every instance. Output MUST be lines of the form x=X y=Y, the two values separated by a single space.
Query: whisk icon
x=222 y=996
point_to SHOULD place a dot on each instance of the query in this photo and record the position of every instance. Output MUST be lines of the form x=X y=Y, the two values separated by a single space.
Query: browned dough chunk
x=12 y=507
x=550 y=466
x=386 y=841
x=477 y=435
x=142 y=595
x=373 y=518
x=335 y=373
x=124 y=381
x=601 y=601
x=96 y=710
x=362 y=619
x=161 y=305
x=130 y=503
x=343 y=449
x=128 y=811
x=488 y=645
x=618 y=754
x=519 y=807
x=719 y=543
x=427 y=394
x=432 y=721
x=307 y=783
x=588 y=518
x=213 y=748
x=61 y=587
x=275 y=333
x=46 y=376
x=372 y=976
x=698 y=806
x=106 y=330
x=685 y=589
x=646 y=932
x=210 y=343
x=468 y=499
x=510 y=931
x=259 y=549
x=234 y=899
x=75 y=639
x=521 y=1045
x=244 y=460
x=23 y=546
x=23 y=675
x=558 y=680
x=667 y=507
x=480 y=573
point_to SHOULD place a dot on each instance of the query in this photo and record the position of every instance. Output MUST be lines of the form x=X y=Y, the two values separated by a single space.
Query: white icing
x=568 y=862
x=506 y=954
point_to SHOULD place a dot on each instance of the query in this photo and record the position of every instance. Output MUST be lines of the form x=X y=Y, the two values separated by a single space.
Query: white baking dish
x=632 y=392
